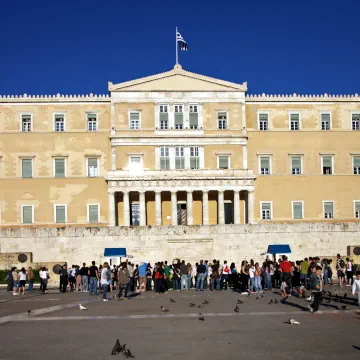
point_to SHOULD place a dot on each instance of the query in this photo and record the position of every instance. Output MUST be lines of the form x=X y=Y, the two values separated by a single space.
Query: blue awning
x=279 y=249
x=115 y=252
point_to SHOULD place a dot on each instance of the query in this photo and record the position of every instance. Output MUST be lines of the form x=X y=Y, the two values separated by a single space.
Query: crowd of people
x=309 y=274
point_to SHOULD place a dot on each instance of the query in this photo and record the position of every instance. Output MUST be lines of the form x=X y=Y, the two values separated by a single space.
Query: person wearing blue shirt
x=142 y=276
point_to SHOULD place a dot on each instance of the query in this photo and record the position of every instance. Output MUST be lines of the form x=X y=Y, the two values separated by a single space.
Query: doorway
x=181 y=214
x=229 y=215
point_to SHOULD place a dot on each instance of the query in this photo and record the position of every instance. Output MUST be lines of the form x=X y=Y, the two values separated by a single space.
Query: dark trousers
x=160 y=286
x=123 y=290
x=224 y=281
x=287 y=278
x=148 y=284
x=10 y=285
x=317 y=300
x=349 y=276
x=63 y=284
x=43 y=285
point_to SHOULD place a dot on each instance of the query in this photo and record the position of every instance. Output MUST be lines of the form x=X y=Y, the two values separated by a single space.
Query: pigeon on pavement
x=205 y=302
x=172 y=300
x=293 y=322
x=201 y=306
x=236 y=309
x=82 y=307
x=343 y=307
x=164 y=309
x=345 y=295
x=240 y=302
x=192 y=305
x=127 y=353
x=201 y=317
x=270 y=302
x=117 y=348
x=275 y=301
x=29 y=312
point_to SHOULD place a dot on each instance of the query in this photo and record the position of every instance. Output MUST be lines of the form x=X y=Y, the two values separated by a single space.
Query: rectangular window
x=26 y=122
x=357 y=209
x=164 y=158
x=60 y=214
x=27 y=213
x=193 y=116
x=27 y=168
x=264 y=165
x=297 y=210
x=294 y=122
x=134 y=117
x=325 y=121
x=93 y=213
x=179 y=117
x=296 y=165
x=135 y=214
x=327 y=167
x=223 y=162
x=92 y=167
x=179 y=158
x=356 y=165
x=59 y=122
x=266 y=213
x=92 y=122
x=164 y=117
x=222 y=120
x=263 y=122
x=59 y=168
x=194 y=157
x=355 y=121
x=328 y=210
x=135 y=163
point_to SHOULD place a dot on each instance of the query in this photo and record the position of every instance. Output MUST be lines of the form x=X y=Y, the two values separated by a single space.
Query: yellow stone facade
x=151 y=170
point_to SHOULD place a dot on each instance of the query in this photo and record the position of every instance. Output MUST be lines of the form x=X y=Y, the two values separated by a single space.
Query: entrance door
x=228 y=208
x=135 y=214
x=181 y=214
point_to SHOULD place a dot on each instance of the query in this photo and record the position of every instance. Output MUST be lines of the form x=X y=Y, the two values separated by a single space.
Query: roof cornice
x=301 y=97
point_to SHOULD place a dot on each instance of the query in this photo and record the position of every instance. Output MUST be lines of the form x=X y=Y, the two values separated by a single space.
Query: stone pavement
x=57 y=328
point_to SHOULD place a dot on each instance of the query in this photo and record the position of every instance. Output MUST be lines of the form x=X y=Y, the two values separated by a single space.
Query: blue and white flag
x=182 y=43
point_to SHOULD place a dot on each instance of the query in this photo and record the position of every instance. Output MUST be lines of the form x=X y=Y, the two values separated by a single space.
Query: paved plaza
x=56 y=327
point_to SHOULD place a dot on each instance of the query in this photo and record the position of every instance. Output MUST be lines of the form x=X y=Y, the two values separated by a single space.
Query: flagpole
x=177 y=59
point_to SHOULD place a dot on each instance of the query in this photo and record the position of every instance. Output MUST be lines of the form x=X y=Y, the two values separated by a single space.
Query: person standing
x=200 y=270
x=10 y=280
x=340 y=264
x=63 y=279
x=349 y=272
x=286 y=270
x=130 y=268
x=93 y=274
x=72 y=278
x=356 y=286
x=15 y=280
x=78 y=278
x=114 y=279
x=252 y=277
x=142 y=276
x=189 y=276
x=225 y=271
x=22 y=281
x=30 y=276
x=316 y=287
x=167 y=275
x=215 y=277
x=104 y=280
x=257 y=278
x=304 y=267
x=44 y=277
x=84 y=277
x=124 y=280
x=184 y=277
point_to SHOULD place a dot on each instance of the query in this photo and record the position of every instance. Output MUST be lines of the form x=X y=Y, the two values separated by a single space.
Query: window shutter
x=163 y=164
x=93 y=213
x=178 y=119
x=263 y=117
x=327 y=161
x=222 y=116
x=294 y=117
x=164 y=116
x=60 y=214
x=194 y=163
x=27 y=215
x=357 y=206
x=178 y=163
x=59 y=167
x=223 y=162
x=328 y=207
x=92 y=167
x=325 y=117
x=134 y=116
x=357 y=161
x=265 y=162
x=297 y=210
x=266 y=206
x=193 y=117
x=27 y=168
x=296 y=162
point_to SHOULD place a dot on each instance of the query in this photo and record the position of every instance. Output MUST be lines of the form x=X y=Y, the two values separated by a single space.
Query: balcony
x=186 y=174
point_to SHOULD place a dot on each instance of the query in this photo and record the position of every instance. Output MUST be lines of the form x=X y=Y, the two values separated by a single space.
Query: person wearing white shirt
x=22 y=281
x=44 y=276
x=356 y=287
x=252 y=277
x=349 y=272
x=104 y=279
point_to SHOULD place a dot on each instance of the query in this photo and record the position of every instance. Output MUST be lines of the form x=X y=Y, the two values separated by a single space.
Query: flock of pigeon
x=118 y=348
x=201 y=316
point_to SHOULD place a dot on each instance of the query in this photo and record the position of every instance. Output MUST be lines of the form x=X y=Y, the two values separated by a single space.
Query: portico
x=180 y=198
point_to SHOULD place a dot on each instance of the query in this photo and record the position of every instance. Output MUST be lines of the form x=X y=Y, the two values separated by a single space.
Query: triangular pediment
x=177 y=80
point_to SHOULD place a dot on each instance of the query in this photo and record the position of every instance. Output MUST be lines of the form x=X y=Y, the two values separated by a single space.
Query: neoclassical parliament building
x=178 y=148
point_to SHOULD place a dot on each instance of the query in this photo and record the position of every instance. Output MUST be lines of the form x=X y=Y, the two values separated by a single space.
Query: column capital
x=158 y=191
x=126 y=192
x=189 y=191
x=141 y=191
x=221 y=191
x=174 y=191
x=236 y=191
x=205 y=191
x=111 y=191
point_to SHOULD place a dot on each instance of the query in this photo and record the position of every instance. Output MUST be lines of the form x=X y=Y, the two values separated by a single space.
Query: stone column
x=142 y=208
x=189 y=207
x=251 y=206
x=236 y=207
x=111 y=208
x=245 y=157
x=126 y=208
x=173 y=208
x=158 y=207
x=205 y=206
x=221 y=214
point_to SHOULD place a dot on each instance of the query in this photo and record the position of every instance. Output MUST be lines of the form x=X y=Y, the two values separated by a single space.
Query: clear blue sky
x=76 y=47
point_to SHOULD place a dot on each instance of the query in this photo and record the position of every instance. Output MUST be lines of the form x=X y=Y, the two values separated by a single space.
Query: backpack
x=226 y=269
x=341 y=263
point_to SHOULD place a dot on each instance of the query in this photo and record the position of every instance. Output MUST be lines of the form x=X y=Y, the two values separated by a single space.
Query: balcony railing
x=180 y=174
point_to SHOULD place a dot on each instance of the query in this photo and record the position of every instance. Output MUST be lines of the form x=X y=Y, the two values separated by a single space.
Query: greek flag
x=182 y=43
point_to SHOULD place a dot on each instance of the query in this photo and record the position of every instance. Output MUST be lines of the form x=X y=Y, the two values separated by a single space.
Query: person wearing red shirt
x=286 y=269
